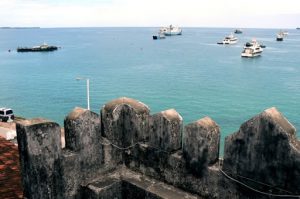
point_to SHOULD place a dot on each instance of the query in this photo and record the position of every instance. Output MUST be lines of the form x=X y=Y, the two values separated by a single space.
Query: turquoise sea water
x=190 y=73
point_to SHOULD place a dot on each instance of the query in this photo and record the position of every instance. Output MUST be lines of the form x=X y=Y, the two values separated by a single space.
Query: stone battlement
x=125 y=152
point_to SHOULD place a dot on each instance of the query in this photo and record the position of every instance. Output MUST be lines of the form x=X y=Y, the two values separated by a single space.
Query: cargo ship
x=42 y=48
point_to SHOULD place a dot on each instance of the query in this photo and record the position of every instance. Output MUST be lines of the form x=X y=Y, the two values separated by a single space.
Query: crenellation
x=40 y=149
x=265 y=149
x=201 y=143
x=130 y=115
x=166 y=130
x=125 y=152
x=82 y=134
x=125 y=122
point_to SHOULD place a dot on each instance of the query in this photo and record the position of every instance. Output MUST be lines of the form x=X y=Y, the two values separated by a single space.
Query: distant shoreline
x=19 y=27
x=186 y=27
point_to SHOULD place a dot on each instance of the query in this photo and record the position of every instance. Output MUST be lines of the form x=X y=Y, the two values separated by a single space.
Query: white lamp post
x=87 y=90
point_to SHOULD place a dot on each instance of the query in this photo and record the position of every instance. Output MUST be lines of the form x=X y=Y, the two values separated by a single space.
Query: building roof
x=10 y=176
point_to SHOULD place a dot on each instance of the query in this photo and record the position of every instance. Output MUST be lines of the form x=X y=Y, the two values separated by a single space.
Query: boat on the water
x=156 y=37
x=42 y=48
x=171 y=30
x=160 y=35
x=230 y=39
x=298 y=28
x=252 y=49
x=254 y=42
x=280 y=36
x=238 y=31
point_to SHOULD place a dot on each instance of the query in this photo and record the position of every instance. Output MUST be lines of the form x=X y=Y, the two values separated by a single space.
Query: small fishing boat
x=238 y=31
x=42 y=48
x=253 y=42
x=160 y=35
x=171 y=30
x=230 y=39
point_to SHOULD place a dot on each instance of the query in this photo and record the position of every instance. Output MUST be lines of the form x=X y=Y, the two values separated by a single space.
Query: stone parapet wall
x=264 y=150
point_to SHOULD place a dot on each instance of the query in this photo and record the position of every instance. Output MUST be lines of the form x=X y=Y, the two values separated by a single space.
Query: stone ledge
x=123 y=184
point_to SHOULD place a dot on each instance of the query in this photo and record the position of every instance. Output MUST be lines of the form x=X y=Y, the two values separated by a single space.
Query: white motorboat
x=230 y=39
x=280 y=36
x=171 y=30
x=252 y=49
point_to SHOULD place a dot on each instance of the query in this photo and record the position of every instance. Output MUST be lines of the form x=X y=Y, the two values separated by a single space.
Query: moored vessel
x=238 y=31
x=252 y=49
x=230 y=39
x=160 y=35
x=171 y=30
x=279 y=36
x=254 y=42
x=42 y=48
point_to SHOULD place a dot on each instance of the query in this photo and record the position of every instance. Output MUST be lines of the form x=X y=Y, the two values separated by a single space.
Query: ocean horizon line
x=211 y=27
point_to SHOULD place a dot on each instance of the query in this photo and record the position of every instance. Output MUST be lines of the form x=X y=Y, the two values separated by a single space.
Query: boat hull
x=279 y=39
x=238 y=32
x=246 y=55
x=172 y=33
x=227 y=42
x=254 y=50
x=155 y=37
x=50 y=48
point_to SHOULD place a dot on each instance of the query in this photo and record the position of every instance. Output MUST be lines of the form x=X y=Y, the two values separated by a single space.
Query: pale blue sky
x=187 y=13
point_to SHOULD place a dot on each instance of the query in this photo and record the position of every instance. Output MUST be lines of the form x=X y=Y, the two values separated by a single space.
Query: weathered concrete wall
x=69 y=176
x=265 y=149
x=163 y=159
x=82 y=134
x=165 y=130
x=39 y=148
x=125 y=122
x=201 y=145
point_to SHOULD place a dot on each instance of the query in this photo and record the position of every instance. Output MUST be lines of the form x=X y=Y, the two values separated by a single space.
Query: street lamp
x=87 y=89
